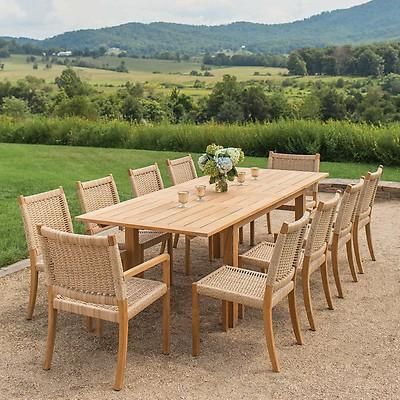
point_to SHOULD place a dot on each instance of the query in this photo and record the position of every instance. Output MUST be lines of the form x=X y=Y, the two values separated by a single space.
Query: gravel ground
x=354 y=354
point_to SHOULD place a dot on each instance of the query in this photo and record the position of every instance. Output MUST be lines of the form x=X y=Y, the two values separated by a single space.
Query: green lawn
x=29 y=169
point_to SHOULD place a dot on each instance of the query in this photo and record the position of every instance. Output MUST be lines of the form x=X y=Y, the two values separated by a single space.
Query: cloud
x=43 y=18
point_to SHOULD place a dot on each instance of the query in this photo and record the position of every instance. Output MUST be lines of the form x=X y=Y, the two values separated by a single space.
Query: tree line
x=371 y=60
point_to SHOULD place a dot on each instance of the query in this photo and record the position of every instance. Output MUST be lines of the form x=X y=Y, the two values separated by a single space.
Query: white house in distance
x=67 y=53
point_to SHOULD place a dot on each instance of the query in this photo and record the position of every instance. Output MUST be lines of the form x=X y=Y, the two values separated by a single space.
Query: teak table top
x=217 y=211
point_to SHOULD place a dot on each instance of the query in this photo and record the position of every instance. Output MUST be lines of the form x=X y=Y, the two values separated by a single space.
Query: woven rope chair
x=100 y=193
x=257 y=289
x=314 y=255
x=145 y=180
x=295 y=162
x=343 y=231
x=182 y=170
x=50 y=208
x=316 y=252
x=363 y=214
x=85 y=277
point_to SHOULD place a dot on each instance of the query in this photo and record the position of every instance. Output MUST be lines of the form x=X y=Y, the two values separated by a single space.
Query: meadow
x=29 y=169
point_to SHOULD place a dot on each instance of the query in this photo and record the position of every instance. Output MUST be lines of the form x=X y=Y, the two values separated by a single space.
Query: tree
x=296 y=65
x=13 y=107
x=72 y=85
x=254 y=103
x=132 y=109
x=79 y=106
x=370 y=63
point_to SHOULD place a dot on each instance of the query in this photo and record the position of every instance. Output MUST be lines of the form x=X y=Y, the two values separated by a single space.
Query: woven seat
x=50 y=208
x=362 y=217
x=100 y=193
x=258 y=256
x=295 y=162
x=343 y=231
x=256 y=289
x=85 y=277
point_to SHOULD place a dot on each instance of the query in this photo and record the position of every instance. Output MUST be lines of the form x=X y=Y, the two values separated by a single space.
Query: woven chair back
x=96 y=194
x=145 y=180
x=287 y=251
x=49 y=208
x=84 y=268
x=321 y=226
x=181 y=170
x=368 y=192
x=296 y=162
x=347 y=208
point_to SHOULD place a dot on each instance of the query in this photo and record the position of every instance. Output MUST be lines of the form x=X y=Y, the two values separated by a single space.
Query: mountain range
x=374 y=21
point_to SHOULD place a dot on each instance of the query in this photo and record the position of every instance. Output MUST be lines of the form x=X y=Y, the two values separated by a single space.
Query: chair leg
x=99 y=327
x=269 y=337
x=122 y=348
x=307 y=297
x=165 y=322
x=241 y=235
x=349 y=248
x=294 y=317
x=252 y=234
x=357 y=252
x=240 y=311
x=325 y=283
x=32 y=292
x=51 y=333
x=163 y=245
x=176 y=239
x=188 y=262
x=335 y=268
x=195 y=321
x=369 y=240
x=269 y=228
x=89 y=324
x=171 y=256
x=225 y=315
x=210 y=248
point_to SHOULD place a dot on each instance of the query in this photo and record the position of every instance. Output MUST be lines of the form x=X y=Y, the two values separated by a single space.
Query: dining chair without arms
x=50 y=208
x=257 y=289
x=85 y=277
x=363 y=214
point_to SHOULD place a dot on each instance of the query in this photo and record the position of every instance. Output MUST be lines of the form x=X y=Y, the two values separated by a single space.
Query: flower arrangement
x=220 y=163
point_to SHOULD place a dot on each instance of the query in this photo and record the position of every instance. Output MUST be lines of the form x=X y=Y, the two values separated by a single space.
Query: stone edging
x=18 y=266
x=386 y=190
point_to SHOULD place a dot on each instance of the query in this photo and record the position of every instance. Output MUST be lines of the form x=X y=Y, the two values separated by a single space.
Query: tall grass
x=334 y=140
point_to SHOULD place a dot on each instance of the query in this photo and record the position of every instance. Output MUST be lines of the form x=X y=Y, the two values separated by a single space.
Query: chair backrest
x=145 y=180
x=321 y=227
x=287 y=251
x=296 y=162
x=49 y=208
x=368 y=192
x=181 y=170
x=346 y=213
x=81 y=267
x=96 y=194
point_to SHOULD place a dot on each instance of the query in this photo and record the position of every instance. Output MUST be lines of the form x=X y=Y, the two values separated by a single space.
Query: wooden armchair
x=145 y=180
x=100 y=193
x=343 y=232
x=50 y=208
x=85 y=277
x=256 y=289
x=295 y=162
x=363 y=214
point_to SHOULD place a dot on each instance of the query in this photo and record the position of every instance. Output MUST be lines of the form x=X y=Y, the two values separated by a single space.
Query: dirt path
x=354 y=354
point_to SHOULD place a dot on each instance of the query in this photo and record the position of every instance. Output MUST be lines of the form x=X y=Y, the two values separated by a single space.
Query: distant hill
x=375 y=21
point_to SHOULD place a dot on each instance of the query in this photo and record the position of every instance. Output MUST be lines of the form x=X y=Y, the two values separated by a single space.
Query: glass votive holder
x=255 y=171
x=241 y=177
x=183 y=198
x=201 y=192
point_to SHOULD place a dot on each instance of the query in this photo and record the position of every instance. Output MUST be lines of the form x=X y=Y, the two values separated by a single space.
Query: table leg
x=132 y=247
x=299 y=206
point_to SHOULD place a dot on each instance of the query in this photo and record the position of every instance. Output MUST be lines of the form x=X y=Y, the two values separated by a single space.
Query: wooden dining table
x=216 y=215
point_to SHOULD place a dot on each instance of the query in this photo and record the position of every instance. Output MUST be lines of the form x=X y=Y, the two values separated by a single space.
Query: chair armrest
x=163 y=259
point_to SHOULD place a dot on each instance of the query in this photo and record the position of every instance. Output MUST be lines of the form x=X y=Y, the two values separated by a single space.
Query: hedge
x=334 y=140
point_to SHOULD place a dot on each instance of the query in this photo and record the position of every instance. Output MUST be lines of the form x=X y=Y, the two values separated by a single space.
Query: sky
x=44 y=18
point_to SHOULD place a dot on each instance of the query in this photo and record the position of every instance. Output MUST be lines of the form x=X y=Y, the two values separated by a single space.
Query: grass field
x=157 y=75
x=29 y=169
